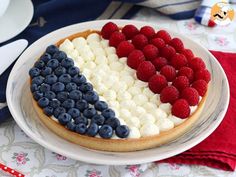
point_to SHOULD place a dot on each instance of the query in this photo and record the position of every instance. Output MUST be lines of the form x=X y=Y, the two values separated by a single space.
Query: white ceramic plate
x=19 y=102
x=16 y=18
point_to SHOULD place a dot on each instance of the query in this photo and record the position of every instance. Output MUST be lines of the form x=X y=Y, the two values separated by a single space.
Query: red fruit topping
x=181 y=109
x=130 y=31
x=135 y=58
x=159 y=63
x=147 y=31
x=169 y=94
x=186 y=71
x=167 y=51
x=188 y=54
x=191 y=95
x=163 y=35
x=150 y=52
x=108 y=29
x=202 y=74
x=169 y=72
x=156 y=83
x=158 y=42
x=116 y=38
x=124 y=49
x=139 y=41
x=200 y=86
x=177 y=44
x=178 y=61
x=145 y=71
x=181 y=83
x=197 y=64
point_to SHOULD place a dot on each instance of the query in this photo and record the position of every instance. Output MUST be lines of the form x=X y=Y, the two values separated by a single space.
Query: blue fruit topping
x=39 y=64
x=50 y=95
x=100 y=105
x=65 y=78
x=75 y=95
x=71 y=86
x=67 y=63
x=46 y=71
x=44 y=88
x=53 y=63
x=58 y=87
x=89 y=112
x=58 y=111
x=45 y=57
x=69 y=103
x=98 y=119
x=52 y=49
x=113 y=122
x=71 y=126
x=33 y=72
x=108 y=113
x=122 y=131
x=37 y=80
x=59 y=71
x=81 y=105
x=62 y=96
x=43 y=102
x=73 y=70
x=50 y=79
x=59 y=55
x=79 y=79
x=34 y=87
x=86 y=87
x=92 y=130
x=81 y=119
x=37 y=95
x=54 y=103
x=64 y=118
x=91 y=97
x=48 y=111
x=74 y=112
x=81 y=128
x=106 y=131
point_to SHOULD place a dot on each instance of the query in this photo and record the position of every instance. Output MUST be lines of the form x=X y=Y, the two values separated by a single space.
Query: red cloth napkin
x=219 y=149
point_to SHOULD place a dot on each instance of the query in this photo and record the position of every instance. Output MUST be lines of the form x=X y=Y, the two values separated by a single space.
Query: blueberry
x=50 y=95
x=108 y=113
x=39 y=64
x=100 y=105
x=58 y=87
x=53 y=63
x=48 y=110
x=62 y=96
x=52 y=49
x=59 y=55
x=37 y=95
x=92 y=130
x=89 y=112
x=64 y=118
x=74 y=112
x=37 y=80
x=79 y=79
x=91 y=97
x=59 y=71
x=54 y=103
x=51 y=79
x=71 y=86
x=86 y=87
x=34 y=87
x=113 y=122
x=58 y=111
x=43 y=102
x=81 y=105
x=98 y=119
x=44 y=88
x=106 y=131
x=73 y=70
x=33 y=72
x=71 y=126
x=81 y=119
x=122 y=131
x=46 y=71
x=67 y=63
x=81 y=128
x=75 y=95
x=45 y=57
x=69 y=103
x=65 y=78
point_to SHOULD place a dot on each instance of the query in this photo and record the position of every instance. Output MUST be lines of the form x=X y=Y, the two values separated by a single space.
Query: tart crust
x=117 y=145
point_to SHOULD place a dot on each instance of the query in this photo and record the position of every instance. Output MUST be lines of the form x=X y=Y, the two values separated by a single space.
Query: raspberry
x=108 y=29
x=188 y=54
x=156 y=83
x=124 y=49
x=178 y=61
x=202 y=74
x=163 y=35
x=181 y=109
x=181 y=83
x=159 y=63
x=191 y=95
x=186 y=71
x=145 y=70
x=169 y=72
x=129 y=31
x=158 y=42
x=150 y=52
x=139 y=41
x=169 y=94
x=147 y=31
x=135 y=58
x=177 y=44
x=167 y=52
x=197 y=64
x=200 y=86
x=116 y=38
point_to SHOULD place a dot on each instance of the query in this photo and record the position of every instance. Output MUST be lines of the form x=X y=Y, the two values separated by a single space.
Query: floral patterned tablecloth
x=19 y=152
